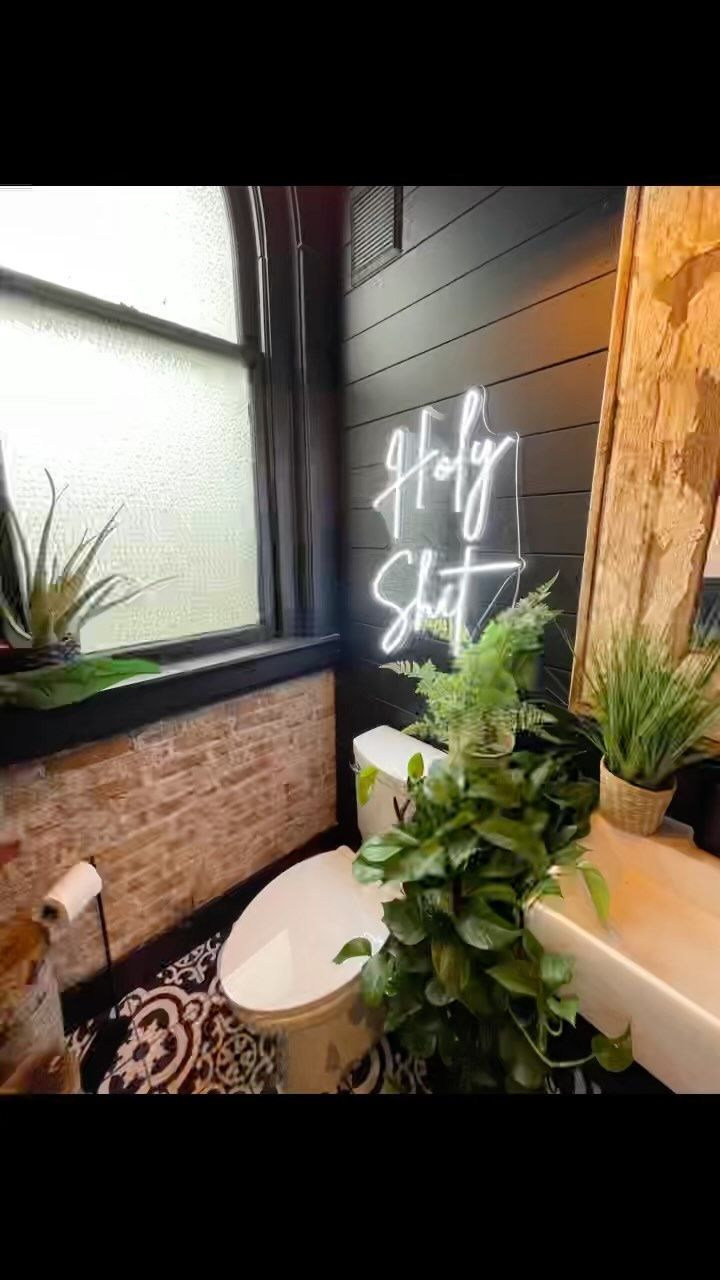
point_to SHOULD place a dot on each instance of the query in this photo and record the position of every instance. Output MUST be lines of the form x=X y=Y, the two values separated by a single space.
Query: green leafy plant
x=58 y=686
x=479 y=704
x=53 y=605
x=461 y=975
x=651 y=716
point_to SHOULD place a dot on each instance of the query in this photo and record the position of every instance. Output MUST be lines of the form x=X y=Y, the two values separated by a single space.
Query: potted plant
x=42 y=613
x=486 y=833
x=478 y=706
x=651 y=716
x=460 y=975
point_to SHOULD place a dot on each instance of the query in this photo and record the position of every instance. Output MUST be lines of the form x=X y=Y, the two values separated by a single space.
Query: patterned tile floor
x=185 y=1038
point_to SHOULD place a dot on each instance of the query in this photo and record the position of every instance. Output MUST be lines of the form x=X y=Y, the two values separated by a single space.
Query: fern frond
x=403 y=668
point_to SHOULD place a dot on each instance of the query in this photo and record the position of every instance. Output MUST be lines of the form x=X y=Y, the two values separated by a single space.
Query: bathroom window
x=127 y=371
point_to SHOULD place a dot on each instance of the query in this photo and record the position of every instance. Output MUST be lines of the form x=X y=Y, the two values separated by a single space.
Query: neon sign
x=471 y=469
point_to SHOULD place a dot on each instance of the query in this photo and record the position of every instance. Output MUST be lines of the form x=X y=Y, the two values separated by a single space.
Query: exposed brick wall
x=175 y=814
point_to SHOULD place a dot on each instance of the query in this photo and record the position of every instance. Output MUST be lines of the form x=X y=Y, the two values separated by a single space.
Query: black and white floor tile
x=185 y=1038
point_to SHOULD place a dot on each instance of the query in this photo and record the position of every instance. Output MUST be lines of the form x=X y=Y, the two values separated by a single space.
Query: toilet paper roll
x=72 y=893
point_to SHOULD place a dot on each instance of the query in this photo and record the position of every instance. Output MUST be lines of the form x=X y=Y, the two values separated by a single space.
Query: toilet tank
x=389 y=751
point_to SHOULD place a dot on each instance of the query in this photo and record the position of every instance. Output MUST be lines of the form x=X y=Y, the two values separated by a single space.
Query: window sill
x=181 y=686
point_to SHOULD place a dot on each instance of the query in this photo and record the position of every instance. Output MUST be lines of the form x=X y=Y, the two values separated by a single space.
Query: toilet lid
x=279 y=954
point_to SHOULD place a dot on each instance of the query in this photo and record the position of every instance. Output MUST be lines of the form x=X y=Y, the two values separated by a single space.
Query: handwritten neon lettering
x=471 y=468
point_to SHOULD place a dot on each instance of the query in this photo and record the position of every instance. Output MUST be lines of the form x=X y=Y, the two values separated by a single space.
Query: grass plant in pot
x=43 y=608
x=651 y=717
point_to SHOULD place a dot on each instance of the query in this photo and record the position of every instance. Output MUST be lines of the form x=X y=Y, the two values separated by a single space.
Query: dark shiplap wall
x=507 y=286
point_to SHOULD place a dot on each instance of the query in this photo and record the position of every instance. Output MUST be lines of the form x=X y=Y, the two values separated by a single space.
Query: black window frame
x=287 y=251
x=249 y=351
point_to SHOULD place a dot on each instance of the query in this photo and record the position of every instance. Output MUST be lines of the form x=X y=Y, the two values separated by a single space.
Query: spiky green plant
x=478 y=705
x=650 y=715
x=53 y=606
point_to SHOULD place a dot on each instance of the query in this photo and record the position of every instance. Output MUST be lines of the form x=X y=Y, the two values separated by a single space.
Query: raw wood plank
x=575 y=324
x=659 y=464
x=577 y=250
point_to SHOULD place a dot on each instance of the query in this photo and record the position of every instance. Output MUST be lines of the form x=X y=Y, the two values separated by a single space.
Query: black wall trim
x=27 y=735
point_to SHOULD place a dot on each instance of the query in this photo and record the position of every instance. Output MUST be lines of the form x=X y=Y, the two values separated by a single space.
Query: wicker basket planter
x=633 y=809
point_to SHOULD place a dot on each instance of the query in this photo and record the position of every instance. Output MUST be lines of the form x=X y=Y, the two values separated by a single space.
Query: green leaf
x=550 y=888
x=574 y=795
x=355 y=947
x=39 y=576
x=599 y=892
x=516 y=976
x=404 y=838
x=415 y=959
x=379 y=848
x=404 y=920
x=515 y=837
x=465 y=818
x=555 y=969
x=452 y=965
x=460 y=848
x=427 y=859
x=419 y=1035
x=564 y=835
x=436 y=994
x=400 y=1009
x=532 y=946
x=437 y=901
x=373 y=977
x=416 y=766
x=475 y=996
x=364 y=873
x=565 y=1007
x=523 y=1064
x=495 y=891
x=505 y=865
x=498 y=787
x=568 y=856
x=364 y=783
x=613 y=1055
x=506 y=833
x=481 y=927
x=50 y=687
x=540 y=774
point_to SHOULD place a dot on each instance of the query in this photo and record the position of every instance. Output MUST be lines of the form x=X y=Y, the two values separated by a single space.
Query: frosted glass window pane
x=124 y=416
x=163 y=250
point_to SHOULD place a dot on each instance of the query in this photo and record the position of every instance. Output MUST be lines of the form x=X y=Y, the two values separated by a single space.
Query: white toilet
x=276 y=967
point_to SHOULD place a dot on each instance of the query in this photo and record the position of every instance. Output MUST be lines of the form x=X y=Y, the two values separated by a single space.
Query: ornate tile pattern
x=185 y=1038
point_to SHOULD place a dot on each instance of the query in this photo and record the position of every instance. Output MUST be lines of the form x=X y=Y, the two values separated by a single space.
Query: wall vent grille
x=375 y=229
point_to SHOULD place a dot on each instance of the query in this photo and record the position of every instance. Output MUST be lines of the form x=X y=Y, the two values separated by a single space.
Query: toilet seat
x=279 y=955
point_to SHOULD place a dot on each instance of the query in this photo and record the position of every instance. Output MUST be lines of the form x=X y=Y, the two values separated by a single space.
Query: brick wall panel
x=174 y=814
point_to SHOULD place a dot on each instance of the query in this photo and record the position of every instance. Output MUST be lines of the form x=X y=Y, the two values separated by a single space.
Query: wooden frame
x=657 y=467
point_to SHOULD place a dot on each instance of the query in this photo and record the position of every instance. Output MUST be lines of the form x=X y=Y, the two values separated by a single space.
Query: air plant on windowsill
x=42 y=616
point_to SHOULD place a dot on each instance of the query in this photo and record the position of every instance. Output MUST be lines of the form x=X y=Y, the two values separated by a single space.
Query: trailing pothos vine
x=460 y=974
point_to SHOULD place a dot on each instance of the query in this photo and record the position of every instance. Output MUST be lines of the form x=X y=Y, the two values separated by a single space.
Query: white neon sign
x=471 y=468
